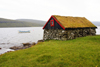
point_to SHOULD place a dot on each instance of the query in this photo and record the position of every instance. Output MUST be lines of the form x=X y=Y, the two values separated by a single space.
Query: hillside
x=17 y=23
x=97 y=23
x=33 y=21
x=27 y=23
x=80 y=52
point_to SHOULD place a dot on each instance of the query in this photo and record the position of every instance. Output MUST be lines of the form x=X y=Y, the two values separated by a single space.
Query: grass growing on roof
x=74 y=22
x=80 y=52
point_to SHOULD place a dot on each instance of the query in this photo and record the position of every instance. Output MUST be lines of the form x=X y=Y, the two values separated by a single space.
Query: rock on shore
x=0 y=48
x=40 y=40
x=25 y=45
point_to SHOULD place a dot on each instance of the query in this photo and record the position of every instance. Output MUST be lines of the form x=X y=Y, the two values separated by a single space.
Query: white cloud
x=43 y=9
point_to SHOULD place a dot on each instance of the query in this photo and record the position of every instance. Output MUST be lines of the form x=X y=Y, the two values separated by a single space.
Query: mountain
x=97 y=23
x=19 y=23
x=28 y=23
x=33 y=21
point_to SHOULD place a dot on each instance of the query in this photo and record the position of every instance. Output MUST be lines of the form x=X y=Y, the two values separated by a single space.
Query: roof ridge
x=67 y=16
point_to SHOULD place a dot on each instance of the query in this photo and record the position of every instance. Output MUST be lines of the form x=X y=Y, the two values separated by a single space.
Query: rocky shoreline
x=25 y=45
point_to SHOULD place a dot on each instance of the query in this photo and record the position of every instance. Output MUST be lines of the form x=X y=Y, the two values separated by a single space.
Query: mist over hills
x=20 y=23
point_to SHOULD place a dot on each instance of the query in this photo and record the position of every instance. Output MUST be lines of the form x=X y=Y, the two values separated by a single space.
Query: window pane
x=52 y=22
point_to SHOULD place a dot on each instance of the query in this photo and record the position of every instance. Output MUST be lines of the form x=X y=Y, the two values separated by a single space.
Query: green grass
x=80 y=52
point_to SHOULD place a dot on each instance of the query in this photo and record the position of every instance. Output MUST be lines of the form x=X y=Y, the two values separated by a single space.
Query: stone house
x=66 y=27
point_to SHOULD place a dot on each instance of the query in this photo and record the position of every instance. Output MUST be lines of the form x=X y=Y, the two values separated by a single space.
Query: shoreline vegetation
x=79 y=52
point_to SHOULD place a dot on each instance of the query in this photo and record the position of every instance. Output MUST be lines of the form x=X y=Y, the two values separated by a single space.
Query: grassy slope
x=80 y=52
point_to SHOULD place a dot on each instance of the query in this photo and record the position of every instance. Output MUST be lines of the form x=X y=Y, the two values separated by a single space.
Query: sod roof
x=73 y=22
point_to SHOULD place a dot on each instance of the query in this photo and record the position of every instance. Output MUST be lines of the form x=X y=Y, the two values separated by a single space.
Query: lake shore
x=22 y=46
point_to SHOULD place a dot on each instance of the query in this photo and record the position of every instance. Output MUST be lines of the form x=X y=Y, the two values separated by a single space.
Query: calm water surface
x=11 y=37
x=98 y=30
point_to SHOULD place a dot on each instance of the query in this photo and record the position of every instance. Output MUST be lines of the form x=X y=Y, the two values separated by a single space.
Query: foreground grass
x=80 y=52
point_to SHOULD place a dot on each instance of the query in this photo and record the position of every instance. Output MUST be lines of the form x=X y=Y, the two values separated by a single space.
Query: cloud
x=43 y=9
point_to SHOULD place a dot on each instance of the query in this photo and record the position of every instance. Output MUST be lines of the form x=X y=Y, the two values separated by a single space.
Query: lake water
x=98 y=30
x=11 y=37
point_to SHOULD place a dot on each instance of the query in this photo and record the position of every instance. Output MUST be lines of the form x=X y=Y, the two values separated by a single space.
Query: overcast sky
x=43 y=9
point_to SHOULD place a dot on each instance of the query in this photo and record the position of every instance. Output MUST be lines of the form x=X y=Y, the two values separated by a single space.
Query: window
x=52 y=23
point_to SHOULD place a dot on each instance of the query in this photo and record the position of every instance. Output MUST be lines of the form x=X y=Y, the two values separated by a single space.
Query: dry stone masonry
x=60 y=34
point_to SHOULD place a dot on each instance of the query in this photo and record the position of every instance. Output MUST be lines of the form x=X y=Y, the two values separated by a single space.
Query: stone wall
x=59 y=34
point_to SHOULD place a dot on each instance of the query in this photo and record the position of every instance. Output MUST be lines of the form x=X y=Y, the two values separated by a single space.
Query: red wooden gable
x=53 y=21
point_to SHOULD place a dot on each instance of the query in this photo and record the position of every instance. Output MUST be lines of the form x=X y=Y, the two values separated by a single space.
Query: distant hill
x=20 y=23
x=97 y=23
x=28 y=23
x=33 y=21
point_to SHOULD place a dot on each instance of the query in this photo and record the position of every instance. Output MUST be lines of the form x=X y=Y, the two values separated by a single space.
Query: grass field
x=80 y=52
